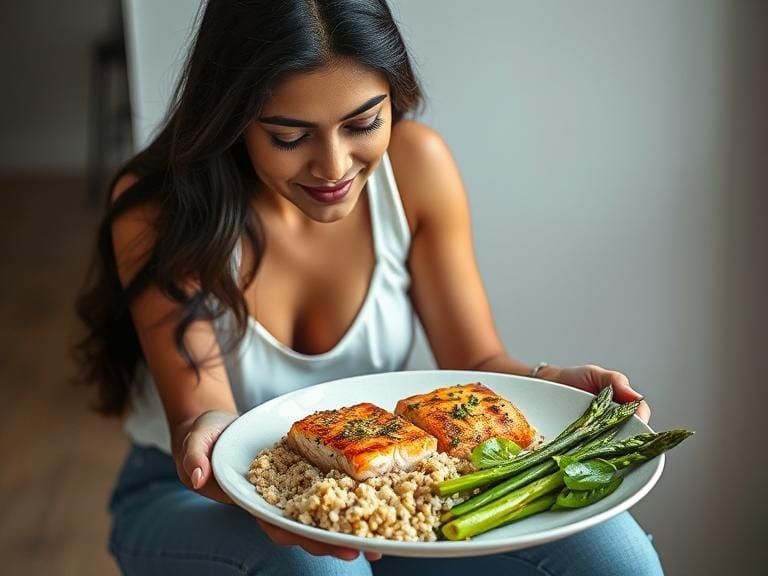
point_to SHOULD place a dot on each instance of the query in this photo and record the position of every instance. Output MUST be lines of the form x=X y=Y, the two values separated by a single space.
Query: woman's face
x=319 y=137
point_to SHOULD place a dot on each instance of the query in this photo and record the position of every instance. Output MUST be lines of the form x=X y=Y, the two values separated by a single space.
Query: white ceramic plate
x=548 y=406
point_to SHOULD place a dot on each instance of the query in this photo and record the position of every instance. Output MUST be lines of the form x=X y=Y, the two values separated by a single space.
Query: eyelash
x=355 y=130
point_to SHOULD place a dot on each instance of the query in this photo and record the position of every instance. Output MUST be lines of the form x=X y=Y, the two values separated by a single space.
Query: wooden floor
x=59 y=458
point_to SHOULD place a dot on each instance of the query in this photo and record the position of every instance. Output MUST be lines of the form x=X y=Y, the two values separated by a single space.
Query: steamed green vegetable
x=599 y=447
x=579 y=467
x=599 y=418
x=568 y=498
x=589 y=475
x=493 y=452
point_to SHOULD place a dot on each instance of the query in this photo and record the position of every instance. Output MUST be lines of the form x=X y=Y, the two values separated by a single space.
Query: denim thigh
x=617 y=547
x=160 y=527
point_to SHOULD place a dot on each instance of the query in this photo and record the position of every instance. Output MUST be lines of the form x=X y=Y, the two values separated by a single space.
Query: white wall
x=158 y=34
x=613 y=167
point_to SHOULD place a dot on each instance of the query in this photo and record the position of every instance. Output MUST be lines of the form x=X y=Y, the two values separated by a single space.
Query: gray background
x=614 y=157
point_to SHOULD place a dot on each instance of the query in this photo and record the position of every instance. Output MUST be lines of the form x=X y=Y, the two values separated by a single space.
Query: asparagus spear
x=596 y=448
x=517 y=481
x=604 y=449
x=604 y=439
x=662 y=442
x=596 y=408
x=539 y=505
x=652 y=445
x=497 y=513
x=590 y=428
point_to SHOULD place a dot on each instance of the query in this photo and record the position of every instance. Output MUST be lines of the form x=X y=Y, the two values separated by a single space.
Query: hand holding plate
x=593 y=379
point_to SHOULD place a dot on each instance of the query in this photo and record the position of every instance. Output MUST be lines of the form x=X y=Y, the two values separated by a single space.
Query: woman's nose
x=333 y=161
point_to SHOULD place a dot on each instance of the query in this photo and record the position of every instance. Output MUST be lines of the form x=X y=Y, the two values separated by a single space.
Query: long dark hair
x=197 y=173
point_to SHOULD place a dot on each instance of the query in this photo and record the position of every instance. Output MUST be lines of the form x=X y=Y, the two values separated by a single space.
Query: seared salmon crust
x=362 y=440
x=462 y=416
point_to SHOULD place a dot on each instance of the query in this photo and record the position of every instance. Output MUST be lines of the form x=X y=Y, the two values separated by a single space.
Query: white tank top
x=380 y=338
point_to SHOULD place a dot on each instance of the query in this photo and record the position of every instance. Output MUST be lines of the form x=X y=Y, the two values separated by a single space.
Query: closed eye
x=287 y=144
x=377 y=123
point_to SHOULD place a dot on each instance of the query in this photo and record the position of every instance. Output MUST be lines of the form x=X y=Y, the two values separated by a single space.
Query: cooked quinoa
x=396 y=506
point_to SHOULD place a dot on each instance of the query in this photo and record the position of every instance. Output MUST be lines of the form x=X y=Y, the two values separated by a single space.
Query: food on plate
x=462 y=416
x=365 y=471
x=398 y=505
x=579 y=467
x=363 y=440
x=340 y=469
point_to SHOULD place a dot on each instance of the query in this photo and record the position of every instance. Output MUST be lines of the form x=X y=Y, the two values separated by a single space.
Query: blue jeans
x=160 y=527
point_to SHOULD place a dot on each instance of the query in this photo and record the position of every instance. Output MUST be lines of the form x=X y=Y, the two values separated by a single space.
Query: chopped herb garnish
x=359 y=428
x=389 y=428
x=460 y=412
x=473 y=400
x=455 y=442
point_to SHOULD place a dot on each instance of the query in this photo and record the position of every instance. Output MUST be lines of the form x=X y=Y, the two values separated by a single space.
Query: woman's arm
x=185 y=397
x=447 y=290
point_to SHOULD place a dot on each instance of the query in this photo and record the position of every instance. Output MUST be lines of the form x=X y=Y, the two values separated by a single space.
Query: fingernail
x=197 y=476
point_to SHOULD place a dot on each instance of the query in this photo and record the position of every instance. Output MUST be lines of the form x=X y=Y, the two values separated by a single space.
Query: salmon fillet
x=362 y=440
x=462 y=416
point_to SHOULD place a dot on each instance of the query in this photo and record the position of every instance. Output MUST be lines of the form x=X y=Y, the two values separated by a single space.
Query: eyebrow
x=294 y=123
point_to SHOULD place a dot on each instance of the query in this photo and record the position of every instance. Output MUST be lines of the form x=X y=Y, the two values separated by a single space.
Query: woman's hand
x=285 y=538
x=192 y=448
x=593 y=379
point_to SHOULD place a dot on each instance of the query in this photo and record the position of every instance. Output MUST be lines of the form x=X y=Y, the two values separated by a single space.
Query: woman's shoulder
x=123 y=183
x=415 y=146
x=133 y=229
x=425 y=171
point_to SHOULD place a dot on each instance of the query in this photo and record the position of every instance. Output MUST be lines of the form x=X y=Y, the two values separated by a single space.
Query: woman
x=280 y=231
